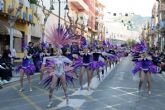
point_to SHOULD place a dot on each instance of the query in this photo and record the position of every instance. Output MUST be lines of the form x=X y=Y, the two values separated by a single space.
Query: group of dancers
x=59 y=68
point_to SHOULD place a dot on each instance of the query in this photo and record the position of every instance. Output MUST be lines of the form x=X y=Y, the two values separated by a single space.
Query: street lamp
x=59 y=9
x=66 y=7
x=52 y=7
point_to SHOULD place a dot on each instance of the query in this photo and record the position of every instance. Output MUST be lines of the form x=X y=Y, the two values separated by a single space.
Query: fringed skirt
x=29 y=70
x=77 y=63
x=47 y=81
x=96 y=65
x=150 y=68
x=112 y=58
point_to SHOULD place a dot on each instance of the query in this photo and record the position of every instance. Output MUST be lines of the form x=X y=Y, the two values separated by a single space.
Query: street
x=118 y=91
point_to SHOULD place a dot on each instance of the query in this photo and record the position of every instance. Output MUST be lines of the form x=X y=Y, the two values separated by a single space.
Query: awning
x=4 y=30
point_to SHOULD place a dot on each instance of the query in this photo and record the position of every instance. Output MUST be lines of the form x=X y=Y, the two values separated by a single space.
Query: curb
x=16 y=81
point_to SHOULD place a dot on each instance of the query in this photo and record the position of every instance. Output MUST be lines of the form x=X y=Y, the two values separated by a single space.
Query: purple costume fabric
x=96 y=65
x=101 y=63
x=146 y=66
x=48 y=79
x=112 y=58
x=137 y=67
x=78 y=63
x=27 y=66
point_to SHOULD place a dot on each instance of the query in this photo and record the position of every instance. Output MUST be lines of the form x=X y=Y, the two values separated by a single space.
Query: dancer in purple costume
x=96 y=63
x=59 y=38
x=27 y=68
x=59 y=76
x=145 y=66
x=86 y=55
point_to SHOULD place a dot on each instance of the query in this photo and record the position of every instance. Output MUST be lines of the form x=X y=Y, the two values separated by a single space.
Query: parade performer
x=27 y=68
x=103 y=60
x=145 y=66
x=86 y=58
x=58 y=76
x=59 y=38
x=43 y=54
x=97 y=62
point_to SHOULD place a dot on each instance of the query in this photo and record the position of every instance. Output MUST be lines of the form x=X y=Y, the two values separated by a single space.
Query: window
x=18 y=44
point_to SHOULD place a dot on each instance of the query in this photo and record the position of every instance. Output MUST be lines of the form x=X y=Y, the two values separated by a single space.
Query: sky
x=139 y=7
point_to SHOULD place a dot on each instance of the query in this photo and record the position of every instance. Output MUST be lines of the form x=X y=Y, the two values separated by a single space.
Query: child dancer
x=85 y=67
x=27 y=68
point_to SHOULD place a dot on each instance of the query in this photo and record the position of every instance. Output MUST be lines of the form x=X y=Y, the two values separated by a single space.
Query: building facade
x=157 y=30
x=87 y=12
x=26 y=17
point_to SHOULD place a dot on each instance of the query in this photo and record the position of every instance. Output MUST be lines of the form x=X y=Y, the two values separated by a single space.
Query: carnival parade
x=82 y=54
x=59 y=59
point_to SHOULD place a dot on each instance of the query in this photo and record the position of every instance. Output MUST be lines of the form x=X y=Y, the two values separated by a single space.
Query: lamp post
x=59 y=9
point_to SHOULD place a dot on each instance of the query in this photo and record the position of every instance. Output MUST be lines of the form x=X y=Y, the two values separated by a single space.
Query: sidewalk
x=15 y=78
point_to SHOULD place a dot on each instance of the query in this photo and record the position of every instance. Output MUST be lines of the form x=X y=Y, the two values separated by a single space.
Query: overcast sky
x=140 y=7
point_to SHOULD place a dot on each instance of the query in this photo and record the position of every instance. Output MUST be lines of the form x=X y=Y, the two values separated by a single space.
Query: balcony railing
x=10 y=8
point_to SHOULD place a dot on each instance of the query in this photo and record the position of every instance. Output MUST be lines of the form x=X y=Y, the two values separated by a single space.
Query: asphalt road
x=117 y=91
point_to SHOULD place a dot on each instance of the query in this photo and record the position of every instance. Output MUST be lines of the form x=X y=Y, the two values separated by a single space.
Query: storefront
x=5 y=38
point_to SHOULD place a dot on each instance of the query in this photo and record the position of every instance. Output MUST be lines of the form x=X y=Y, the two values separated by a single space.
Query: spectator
x=50 y=50
x=4 y=73
x=36 y=56
x=156 y=59
x=6 y=58
x=162 y=65
x=30 y=48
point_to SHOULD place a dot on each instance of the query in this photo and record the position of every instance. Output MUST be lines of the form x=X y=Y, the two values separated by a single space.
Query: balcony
x=80 y=4
x=99 y=12
x=29 y=15
x=90 y=5
x=162 y=7
x=26 y=12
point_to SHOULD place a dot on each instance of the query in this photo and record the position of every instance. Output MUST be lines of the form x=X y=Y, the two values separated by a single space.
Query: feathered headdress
x=59 y=37
x=139 y=47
